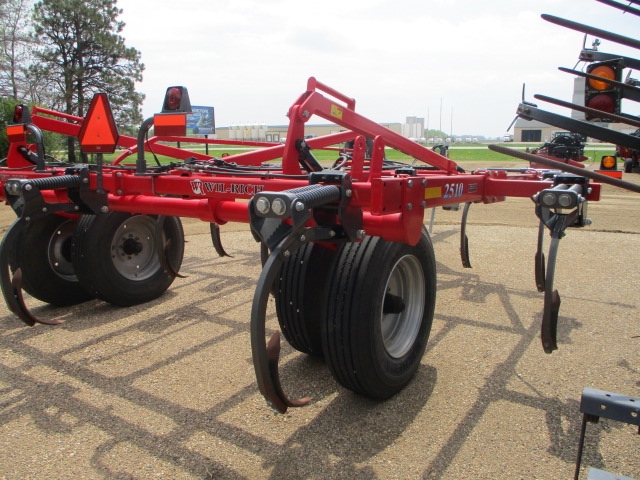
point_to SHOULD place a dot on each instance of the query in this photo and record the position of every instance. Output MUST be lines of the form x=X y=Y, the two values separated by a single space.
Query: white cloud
x=251 y=59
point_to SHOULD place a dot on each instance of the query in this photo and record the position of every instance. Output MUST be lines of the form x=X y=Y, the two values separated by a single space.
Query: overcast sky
x=251 y=59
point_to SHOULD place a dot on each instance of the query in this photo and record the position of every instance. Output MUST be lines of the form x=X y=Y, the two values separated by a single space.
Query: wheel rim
x=59 y=251
x=133 y=248
x=403 y=306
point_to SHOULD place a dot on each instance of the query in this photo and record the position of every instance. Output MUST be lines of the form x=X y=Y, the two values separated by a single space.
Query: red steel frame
x=393 y=204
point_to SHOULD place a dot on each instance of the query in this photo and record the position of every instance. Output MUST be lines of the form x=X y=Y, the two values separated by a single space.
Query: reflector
x=98 y=133
x=168 y=124
x=16 y=133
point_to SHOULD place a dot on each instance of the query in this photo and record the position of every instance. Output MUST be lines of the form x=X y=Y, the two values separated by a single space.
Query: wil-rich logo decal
x=198 y=187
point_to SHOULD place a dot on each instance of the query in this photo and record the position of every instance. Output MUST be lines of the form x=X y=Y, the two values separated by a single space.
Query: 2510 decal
x=452 y=190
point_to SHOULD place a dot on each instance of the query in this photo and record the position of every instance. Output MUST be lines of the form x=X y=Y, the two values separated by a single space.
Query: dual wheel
x=114 y=257
x=366 y=307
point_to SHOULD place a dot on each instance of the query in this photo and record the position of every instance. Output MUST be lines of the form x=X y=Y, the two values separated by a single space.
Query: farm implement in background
x=564 y=147
x=344 y=249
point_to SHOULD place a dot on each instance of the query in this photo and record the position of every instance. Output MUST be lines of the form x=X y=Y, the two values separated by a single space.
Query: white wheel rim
x=400 y=330
x=133 y=248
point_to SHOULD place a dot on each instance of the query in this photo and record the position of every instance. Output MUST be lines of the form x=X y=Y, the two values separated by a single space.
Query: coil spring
x=52 y=183
x=319 y=196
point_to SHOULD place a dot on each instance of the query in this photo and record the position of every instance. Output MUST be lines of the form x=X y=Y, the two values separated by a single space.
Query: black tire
x=115 y=256
x=628 y=165
x=43 y=253
x=378 y=316
x=299 y=294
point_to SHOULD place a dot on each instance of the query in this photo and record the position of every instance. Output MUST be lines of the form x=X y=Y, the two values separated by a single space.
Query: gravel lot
x=167 y=389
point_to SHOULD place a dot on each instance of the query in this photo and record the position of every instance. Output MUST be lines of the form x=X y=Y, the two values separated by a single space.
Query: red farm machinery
x=344 y=249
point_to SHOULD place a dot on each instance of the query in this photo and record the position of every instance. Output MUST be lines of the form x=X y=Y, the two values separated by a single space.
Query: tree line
x=58 y=53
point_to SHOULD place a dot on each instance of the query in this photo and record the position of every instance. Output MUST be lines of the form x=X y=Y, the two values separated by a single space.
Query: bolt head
x=104 y=209
x=262 y=205
x=548 y=199
x=279 y=207
x=13 y=188
x=28 y=187
x=299 y=206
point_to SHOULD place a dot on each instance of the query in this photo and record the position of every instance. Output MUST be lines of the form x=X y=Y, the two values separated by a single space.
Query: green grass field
x=480 y=153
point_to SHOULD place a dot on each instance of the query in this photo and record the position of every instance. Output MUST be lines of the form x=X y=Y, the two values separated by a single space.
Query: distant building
x=538 y=132
x=413 y=128
x=275 y=133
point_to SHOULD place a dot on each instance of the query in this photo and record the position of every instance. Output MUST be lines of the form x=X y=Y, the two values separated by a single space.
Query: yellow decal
x=336 y=111
x=432 y=192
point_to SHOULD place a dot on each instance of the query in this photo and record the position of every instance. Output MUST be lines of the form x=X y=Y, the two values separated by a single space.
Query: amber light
x=603 y=71
x=608 y=161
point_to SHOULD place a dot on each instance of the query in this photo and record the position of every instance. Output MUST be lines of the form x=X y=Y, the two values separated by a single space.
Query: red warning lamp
x=603 y=102
x=176 y=99
x=173 y=119
x=17 y=114
x=21 y=114
x=98 y=133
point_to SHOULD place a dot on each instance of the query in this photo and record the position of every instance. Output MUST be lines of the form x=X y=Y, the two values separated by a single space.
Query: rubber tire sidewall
x=299 y=294
x=91 y=253
x=39 y=278
x=351 y=330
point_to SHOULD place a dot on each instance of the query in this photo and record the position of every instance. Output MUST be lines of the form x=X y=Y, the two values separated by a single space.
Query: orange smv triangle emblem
x=98 y=133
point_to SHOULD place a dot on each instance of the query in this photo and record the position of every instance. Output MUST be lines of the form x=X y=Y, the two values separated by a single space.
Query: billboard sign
x=201 y=121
